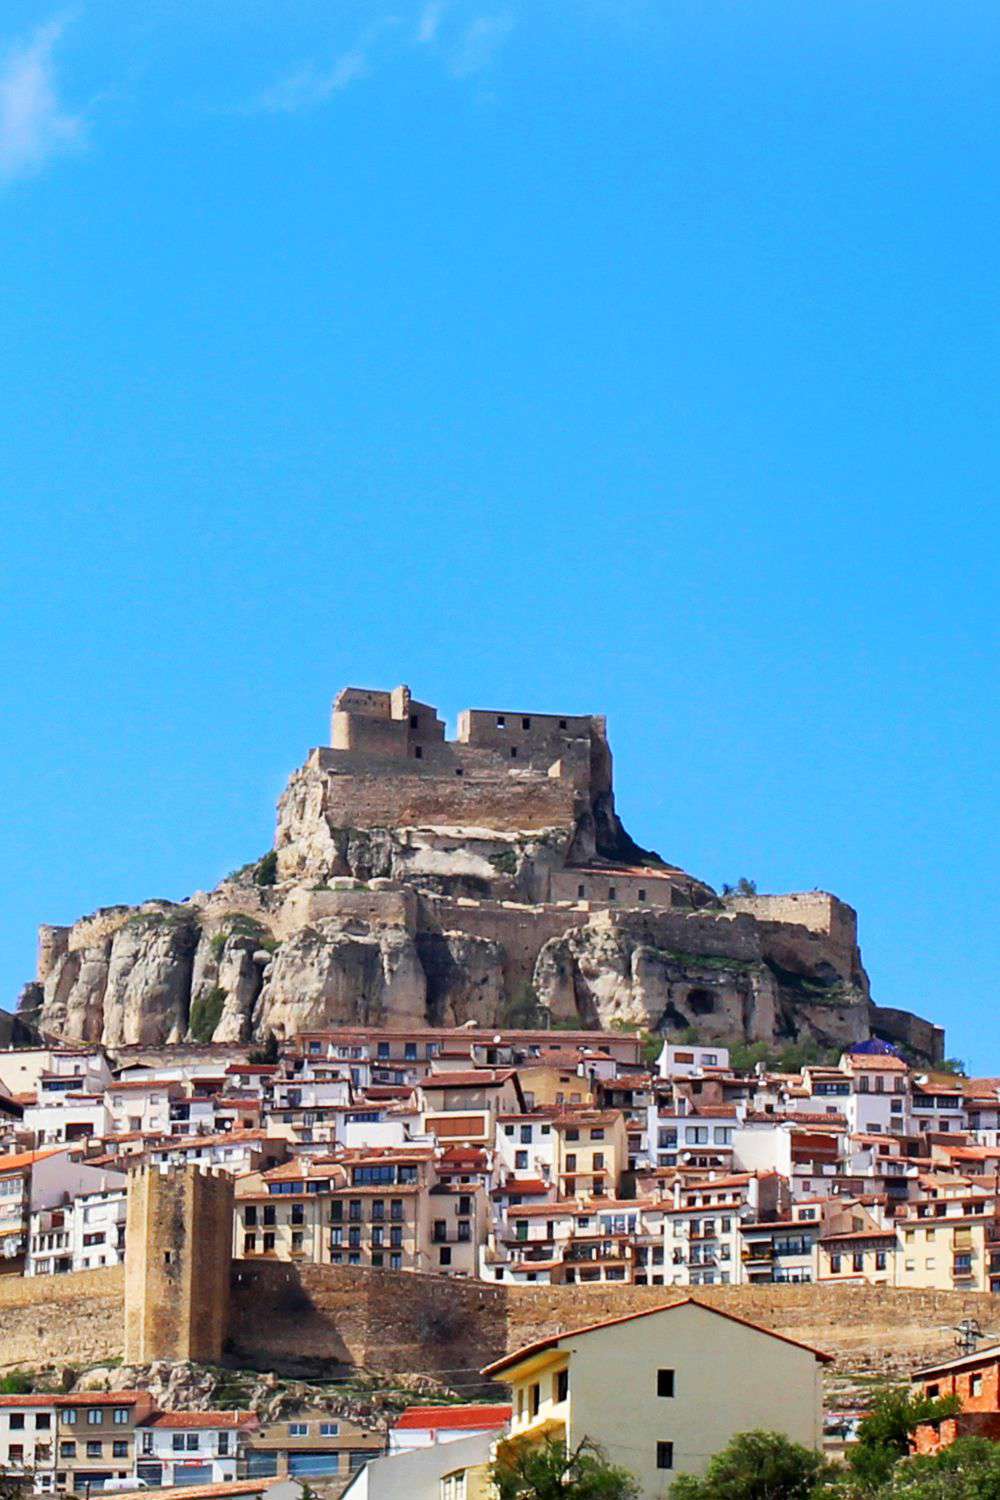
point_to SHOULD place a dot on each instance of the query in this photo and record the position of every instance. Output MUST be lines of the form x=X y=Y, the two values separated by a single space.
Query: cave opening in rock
x=702 y=1002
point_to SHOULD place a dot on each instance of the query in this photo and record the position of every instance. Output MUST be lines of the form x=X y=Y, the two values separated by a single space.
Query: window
x=642 y=894
x=534 y=1399
x=612 y=893
x=513 y=752
x=581 y=892
x=525 y=723
x=857 y=1261
x=834 y=1264
x=298 y=1429
x=501 y=721
x=975 y=1385
x=880 y=1260
x=571 y=1161
x=94 y=1416
x=598 y=1161
x=250 y=1216
x=42 y=1421
x=177 y=1442
x=561 y=1385
x=572 y=1134
x=69 y=1416
x=119 y=1448
x=298 y=1213
x=67 y=1450
x=409 y=1051
x=418 y=752
x=444 y=1255
x=664 y=1455
x=664 y=1382
x=329 y=1429
x=17 y=1421
x=268 y=1243
x=598 y=1134
x=95 y=1449
x=121 y=1416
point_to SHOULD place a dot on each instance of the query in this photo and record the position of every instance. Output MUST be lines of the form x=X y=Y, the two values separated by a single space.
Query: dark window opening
x=664 y=1382
x=459 y=771
x=501 y=722
x=513 y=752
x=612 y=893
x=581 y=891
x=642 y=893
x=562 y=723
x=418 y=752
x=414 y=720
x=664 y=1455
x=525 y=723
x=562 y=1385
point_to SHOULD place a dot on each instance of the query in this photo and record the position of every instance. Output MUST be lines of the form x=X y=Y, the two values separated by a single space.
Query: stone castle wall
x=62 y=1320
x=304 y=1319
x=363 y=792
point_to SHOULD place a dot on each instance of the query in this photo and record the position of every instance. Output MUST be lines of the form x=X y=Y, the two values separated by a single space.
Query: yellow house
x=662 y=1391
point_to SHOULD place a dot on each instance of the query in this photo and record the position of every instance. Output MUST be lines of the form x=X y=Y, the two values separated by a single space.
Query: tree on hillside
x=884 y=1431
x=756 y=1466
x=545 y=1471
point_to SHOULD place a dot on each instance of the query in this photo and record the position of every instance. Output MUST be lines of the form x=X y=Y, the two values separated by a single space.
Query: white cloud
x=311 y=86
x=480 y=42
x=34 y=126
x=430 y=20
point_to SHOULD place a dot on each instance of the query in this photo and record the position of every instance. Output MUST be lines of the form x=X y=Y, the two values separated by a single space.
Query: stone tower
x=178 y=1250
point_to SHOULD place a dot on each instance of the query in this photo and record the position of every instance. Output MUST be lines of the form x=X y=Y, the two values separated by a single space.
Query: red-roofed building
x=423 y=1426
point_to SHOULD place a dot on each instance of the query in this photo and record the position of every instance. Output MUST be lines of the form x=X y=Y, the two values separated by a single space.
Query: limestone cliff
x=420 y=881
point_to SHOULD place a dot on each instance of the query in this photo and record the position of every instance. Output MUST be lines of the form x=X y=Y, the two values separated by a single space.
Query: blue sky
x=626 y=357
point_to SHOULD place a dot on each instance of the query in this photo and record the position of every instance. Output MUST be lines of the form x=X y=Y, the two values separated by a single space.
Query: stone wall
x=361 y=792
x=317 y=1319
x=61 y=1320
x=320 y=1317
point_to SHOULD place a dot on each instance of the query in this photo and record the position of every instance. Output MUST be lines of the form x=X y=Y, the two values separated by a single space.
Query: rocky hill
x=417 y=880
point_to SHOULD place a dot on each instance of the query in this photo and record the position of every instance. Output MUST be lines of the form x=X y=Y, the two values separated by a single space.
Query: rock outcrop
x=420 y=881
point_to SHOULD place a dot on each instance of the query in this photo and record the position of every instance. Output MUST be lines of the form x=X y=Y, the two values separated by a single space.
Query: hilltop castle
x=417 y=880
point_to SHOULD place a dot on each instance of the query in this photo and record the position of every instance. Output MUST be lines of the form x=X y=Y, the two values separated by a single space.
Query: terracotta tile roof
x=212 y=1419
x=435 y=1418
x=23 y=1159
x=210 y=1491
x=473 y=1079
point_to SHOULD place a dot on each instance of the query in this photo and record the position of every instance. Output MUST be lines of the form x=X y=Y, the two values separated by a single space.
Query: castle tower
x=178 y=1249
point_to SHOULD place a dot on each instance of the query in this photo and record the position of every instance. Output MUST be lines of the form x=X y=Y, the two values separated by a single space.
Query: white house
x=192 y=1447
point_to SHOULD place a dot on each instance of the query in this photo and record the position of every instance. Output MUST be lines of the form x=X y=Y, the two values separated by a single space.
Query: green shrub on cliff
x=206 y=1013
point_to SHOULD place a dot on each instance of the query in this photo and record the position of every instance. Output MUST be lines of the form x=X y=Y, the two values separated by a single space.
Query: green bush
x=206 y=1013
x=266 y=872
x=16 y=1383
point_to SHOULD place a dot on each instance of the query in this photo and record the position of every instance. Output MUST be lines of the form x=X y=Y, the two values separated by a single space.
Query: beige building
x=945 y=1238
x=591 y=1152
x=387 y=1208
x=312 y=1445
x=662 y=1391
